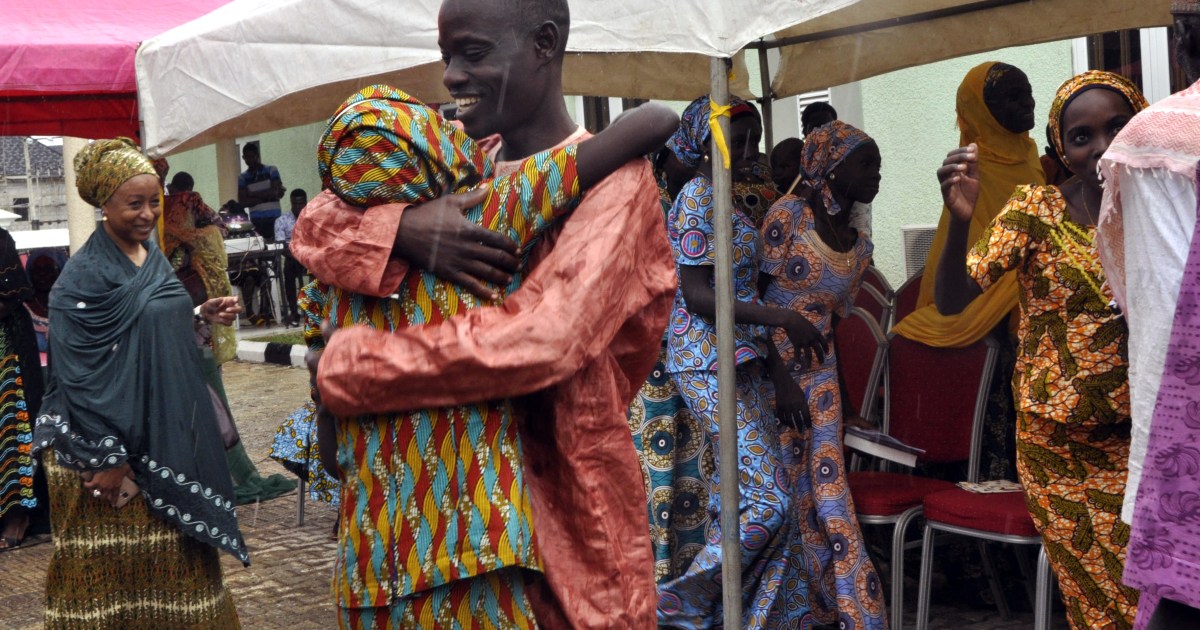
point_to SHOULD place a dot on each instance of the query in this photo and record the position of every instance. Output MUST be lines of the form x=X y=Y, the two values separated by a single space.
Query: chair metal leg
x=898 y=534
x=923 y=586
x=994 y=581
x=1041 y=609
x=1027 y=572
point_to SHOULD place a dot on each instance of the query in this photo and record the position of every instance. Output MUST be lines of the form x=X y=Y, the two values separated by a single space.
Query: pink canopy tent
x=66 y=67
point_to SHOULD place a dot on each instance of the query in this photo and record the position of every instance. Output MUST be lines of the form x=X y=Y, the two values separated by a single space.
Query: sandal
x=8 y=544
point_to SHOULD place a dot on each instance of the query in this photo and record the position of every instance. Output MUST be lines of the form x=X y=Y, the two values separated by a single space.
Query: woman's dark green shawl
x=126 y=386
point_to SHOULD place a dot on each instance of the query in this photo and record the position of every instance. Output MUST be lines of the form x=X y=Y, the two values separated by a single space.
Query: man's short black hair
x=533 y=13
x=182 y=182
x=296 y=192
x=815 y=109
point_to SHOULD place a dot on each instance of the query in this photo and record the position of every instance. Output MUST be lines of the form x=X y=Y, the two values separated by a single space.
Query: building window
x=1119 y=52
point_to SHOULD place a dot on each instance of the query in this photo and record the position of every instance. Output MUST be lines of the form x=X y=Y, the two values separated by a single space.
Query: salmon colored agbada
x=584 y=327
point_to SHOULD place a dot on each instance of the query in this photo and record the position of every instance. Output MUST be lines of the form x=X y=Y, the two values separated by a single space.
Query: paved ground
x=287 y=586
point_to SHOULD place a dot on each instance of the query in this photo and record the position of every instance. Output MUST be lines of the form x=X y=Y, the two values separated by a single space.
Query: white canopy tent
x=254 y=66
x=251 y=67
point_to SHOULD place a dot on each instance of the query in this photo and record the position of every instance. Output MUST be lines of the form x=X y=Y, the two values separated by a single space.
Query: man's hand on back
x=436 y=236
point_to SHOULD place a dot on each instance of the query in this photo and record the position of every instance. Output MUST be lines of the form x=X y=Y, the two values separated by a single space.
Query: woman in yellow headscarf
x=995 y=112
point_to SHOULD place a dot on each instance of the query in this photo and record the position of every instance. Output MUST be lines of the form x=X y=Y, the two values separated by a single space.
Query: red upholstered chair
x=998 y=517
x=936 y=400
x=871 y=301
x=874 y=278
x=862 y=354
x=906 y=297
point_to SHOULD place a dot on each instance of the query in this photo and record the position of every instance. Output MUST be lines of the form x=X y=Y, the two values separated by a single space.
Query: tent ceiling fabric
x=254 y=65
x=213 y=77
x=835 y=61
x=67 y=67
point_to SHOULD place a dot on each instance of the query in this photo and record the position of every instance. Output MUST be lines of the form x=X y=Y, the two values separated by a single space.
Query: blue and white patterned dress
x=767 y=521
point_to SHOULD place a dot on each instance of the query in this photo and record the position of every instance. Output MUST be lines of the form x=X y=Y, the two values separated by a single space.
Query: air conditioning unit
x=917 y=240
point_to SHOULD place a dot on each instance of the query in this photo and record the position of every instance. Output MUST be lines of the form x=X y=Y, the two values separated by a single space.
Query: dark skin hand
x=701 y=299
x=107 y=481
x=436 y=236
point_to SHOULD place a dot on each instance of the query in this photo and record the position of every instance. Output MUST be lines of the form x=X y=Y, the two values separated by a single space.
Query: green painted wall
x=910 y=113
x=293 y=151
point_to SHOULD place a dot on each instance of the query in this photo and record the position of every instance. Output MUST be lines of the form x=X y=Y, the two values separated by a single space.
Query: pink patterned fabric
x=1167 y=135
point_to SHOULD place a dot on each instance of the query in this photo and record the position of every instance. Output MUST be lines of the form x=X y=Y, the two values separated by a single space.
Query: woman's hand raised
x=959 y=177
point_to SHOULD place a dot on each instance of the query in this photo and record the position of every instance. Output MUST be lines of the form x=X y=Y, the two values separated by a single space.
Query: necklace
x=1087 y=209
x=1076 y=243
x=841 y=254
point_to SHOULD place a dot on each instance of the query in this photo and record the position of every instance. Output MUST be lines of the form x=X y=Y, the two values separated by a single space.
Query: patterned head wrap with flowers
x=102 y=166
x=690 y=141
x=384 y=146
x=825 y=148
x=1092 y=79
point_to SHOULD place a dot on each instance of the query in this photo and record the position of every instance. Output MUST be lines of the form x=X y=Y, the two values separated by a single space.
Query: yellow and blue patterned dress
x=431 y=498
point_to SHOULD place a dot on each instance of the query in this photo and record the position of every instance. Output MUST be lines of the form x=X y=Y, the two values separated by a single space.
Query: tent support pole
x=731 y=550
x=765 y=103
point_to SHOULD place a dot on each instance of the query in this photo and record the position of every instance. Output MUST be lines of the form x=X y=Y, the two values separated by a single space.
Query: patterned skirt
x=125 y=568
x=843 y=586
x=676 y=455
x=493 y=601
x=1074 y=478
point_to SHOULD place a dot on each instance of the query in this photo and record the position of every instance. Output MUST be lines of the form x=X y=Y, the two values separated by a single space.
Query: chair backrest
x=937 y=398
x=861 y=353
x=905 y=301
x=879 y=307
x=874 y=278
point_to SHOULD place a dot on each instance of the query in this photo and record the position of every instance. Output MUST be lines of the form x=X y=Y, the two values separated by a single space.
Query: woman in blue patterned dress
x=813 y=262
x=767 y=520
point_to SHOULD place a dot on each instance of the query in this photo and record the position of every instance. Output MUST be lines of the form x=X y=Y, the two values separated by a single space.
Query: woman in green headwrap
x=127 y=401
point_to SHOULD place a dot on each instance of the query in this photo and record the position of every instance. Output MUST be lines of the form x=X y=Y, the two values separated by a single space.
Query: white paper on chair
x=995 y=486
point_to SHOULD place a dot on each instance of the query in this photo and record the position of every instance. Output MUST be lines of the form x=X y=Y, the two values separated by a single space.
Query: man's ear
x=547 y=41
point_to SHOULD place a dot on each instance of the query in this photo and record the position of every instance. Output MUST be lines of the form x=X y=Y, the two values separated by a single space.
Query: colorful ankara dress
x=435 y=514
x=767 y=527
x=810 y=277
x=1072 y=392
x=677 y=459
x=20 y=385
x=820 y=282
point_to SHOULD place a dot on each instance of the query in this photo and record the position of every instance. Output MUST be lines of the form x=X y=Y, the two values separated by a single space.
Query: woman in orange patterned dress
x=1071 y=382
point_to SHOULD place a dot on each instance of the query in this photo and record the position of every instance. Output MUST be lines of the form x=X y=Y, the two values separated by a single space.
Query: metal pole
x=731 y=549
x=764 y=76
x=31 y=204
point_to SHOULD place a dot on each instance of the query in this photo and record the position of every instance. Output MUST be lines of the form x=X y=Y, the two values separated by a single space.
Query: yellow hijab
x=1006 y=160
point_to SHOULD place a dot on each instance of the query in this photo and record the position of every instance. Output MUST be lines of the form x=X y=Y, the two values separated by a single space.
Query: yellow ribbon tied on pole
x=715 y=113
